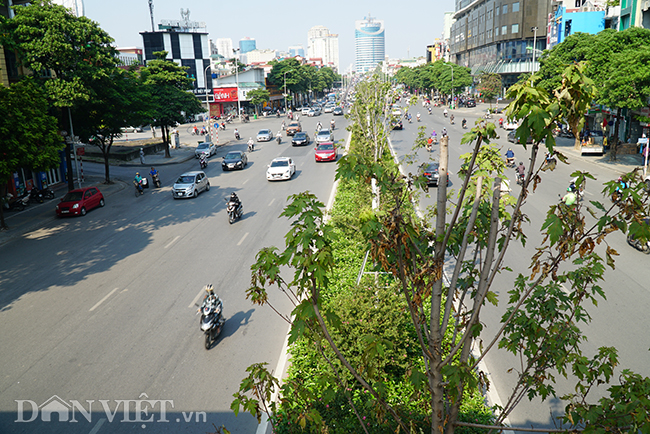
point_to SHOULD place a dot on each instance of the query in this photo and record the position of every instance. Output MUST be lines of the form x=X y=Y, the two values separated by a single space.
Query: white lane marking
x=172 y=241
x=196 y=299
x=102 y=300
x=272 y=200
x=242 y=239
x=245 y=181
x=97 y=426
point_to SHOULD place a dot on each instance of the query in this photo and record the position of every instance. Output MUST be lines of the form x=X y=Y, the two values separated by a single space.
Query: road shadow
x=235 y=322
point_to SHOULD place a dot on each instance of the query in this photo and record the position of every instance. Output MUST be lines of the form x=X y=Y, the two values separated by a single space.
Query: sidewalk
x=36 y=215
x=624 y=162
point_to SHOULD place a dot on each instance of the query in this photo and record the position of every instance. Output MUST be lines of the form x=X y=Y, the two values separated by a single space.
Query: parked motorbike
x=212 y=320
x=155 y=179
x=12 y=203
x=35 y=195
x=203 y=161
x=235 y=210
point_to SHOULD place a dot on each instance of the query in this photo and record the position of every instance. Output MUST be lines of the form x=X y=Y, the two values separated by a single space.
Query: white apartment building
x=259 y=56
x=321 y=44
x=224 y=47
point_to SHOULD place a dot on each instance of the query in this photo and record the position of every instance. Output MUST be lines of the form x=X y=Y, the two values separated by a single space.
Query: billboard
x=225 y=94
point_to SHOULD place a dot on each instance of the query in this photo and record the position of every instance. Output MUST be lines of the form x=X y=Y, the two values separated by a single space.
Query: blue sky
x=410 y=26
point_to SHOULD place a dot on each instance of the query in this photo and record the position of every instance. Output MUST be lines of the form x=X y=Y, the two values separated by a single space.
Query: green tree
x=258 y=97
x=477 y=232
x=48 y=38
x=489 y=86
x=119 y=100
x=30 y=137
x=168 y=86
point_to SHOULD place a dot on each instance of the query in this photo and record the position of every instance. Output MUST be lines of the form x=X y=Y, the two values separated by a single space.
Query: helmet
x=208 y=288
x=137 y=173
x=620 y=179
x=521 y=163
x=568 y=189
x=509 y=149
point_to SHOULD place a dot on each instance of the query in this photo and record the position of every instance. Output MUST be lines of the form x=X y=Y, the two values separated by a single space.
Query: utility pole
x=151 y=13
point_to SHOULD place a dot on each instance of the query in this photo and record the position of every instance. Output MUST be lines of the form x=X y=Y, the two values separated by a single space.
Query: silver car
x=324 y=136
x=206 y=148
x=264 y=136
x=190 y=184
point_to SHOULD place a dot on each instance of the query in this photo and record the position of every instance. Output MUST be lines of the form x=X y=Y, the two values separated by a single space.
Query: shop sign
x=225 y=94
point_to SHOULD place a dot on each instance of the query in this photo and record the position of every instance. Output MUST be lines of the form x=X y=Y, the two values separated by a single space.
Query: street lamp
x=207 y=101
x=235 y=50
x=285 y=89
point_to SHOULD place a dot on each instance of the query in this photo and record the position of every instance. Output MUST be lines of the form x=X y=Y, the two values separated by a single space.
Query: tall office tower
x=224 y=47
x=369 y=43
x=296 y=50
x=321 y=44
x=246 y=45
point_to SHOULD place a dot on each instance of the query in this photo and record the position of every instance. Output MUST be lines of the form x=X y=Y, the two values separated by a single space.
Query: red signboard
x=225 y=94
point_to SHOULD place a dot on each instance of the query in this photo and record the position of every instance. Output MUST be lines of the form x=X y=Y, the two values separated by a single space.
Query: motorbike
x=35 y=195
x=510 y=162
x=212 y=320
x=237 y=137
x=251 y=146
x=520 y=178
x=235 y=210
x=418 y=118
x=332 y=125
x=12 y=203
x=139 y=190
x=445 y=113
x=579 y=191
x=155 y=180
x=203 y=162
x=464 y=125
x=278 y=139
x=451 y=120
x=639 y=244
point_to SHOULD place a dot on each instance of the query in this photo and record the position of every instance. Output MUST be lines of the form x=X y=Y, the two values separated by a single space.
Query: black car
x=338 y=111
x=430 y=172
x=234 y=160
x=470 y=103
x=513 y=138
x=300 y=138
x=398 y=125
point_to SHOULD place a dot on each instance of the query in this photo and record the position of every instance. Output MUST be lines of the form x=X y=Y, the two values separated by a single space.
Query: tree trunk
x=106 y=165
x=165 y=136
x=614 y=145
x=435 y=337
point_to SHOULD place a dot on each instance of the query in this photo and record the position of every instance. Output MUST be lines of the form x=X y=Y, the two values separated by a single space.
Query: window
x=504 y=30
x=515 y=28
x=515 y=7
x=505 y=9
x=496 y=31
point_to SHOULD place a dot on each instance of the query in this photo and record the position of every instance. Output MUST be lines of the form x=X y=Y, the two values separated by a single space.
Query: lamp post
x=235 y=50
x=207 y=101
x=285 y=89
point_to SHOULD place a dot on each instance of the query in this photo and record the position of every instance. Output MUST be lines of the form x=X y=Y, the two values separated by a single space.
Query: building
x=130 y=56
x=76 y=6
x=186 y=43
x=246 y=45
x=259 y=56
x=502 y=36
x=568 y=20
x=296 y=50
x=369 y=43
x=634 y=13
x=224 y=47
x=232 y=89
x=321 y=44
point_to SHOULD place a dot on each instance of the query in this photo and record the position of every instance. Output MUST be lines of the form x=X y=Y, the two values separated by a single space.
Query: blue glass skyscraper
x=369 y=43
x=246 y=45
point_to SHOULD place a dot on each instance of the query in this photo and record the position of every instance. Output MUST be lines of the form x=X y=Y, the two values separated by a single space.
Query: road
x=619 y=321
x=98 y=313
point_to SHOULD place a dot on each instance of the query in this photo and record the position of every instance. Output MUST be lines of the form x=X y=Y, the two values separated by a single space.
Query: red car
x=325 y=152
x=80 y=201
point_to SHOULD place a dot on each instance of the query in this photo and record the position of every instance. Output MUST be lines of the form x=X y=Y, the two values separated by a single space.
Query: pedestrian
x=153 y=131
x=141 y=156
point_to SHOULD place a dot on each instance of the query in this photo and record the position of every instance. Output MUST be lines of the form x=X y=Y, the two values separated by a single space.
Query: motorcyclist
x=451 y=118
x=332 y=124
x=203 y=161
x=464 y=122
x=521 y=170
x=319 y=126
x=444 y=132
x=278 y=137
x=570 y=197
x=210 y=298
x=418 y=116
x=284 y=126
x=429 y=109
x=237 y=134
x=138 y=182
x=510 y=156
x=409 y=117
x=234 y=199
x=445 y=112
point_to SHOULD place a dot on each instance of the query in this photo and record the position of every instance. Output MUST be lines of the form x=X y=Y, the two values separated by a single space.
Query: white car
x=190 y=184
x=510 y=125
x=206 y=148
x=324 y=136
x=280 y=168
x=305 y=110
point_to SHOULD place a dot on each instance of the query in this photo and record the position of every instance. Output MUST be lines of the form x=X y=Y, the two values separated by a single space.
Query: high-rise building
x=296 y=50
x=369 y=43
x=321 y=44
x=224 y=47
x=246 y=45
x=75 y=6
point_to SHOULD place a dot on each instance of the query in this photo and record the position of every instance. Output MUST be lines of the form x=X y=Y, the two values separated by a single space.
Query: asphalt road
x=99 y=311
x=620 y=321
